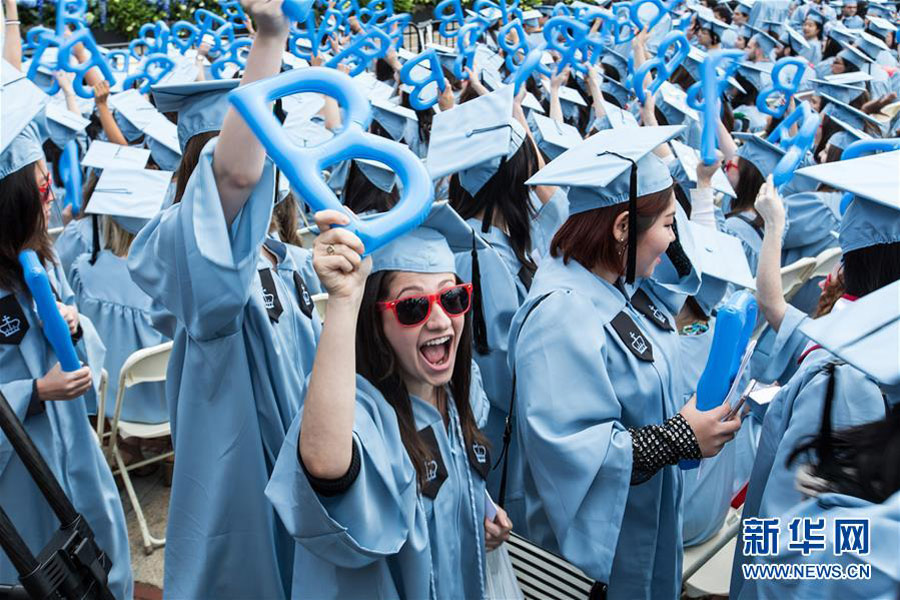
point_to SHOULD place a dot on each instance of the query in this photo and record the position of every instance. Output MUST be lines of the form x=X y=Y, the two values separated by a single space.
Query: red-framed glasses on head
x=415 y=310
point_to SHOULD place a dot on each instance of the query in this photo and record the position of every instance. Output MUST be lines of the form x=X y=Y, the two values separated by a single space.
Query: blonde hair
x=116 y=238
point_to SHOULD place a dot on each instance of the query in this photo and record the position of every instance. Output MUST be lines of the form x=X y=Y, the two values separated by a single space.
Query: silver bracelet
x=12 y=21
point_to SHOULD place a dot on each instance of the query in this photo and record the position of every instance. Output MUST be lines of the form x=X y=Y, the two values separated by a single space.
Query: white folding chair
x=825 y=262
x=706 y=570
x=320 y=300
x=144 y=366
x=54 y=232
x=101 y=405
x=794 y=275
x=307 y=237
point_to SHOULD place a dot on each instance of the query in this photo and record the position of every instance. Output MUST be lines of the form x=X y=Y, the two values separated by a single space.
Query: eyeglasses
x=46 y=189
x=415 y=310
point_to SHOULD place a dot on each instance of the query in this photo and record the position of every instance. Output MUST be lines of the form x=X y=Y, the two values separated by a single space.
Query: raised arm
x=12 y=42
x=769 y=292
x=239 y=157
x=326 y=432
x=107 y=121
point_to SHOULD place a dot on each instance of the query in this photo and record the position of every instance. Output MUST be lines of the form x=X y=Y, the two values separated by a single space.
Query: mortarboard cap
x=62 y=125
x=393 y=117
x=847 y=135
x=865 y=334
x=473 y=138
x=720 y=259
x=871 y=45
x=690 y=158
x=201 y=106
x=855 y=56
x=616 y=90
x=429 y=248
x=672 y=103
x=131 y=196
x=761 y=153
x=162 y=141
x=553 y=137
x=879 y=25
x=22 y=101
x=106 y=155
x=841 y=91
x=816 y=16
x=797 y=42
x=873 y=216
x=378 y=174
x=847 y=113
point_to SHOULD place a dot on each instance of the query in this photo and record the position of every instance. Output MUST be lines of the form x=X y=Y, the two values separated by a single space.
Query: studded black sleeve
x=334 y=487
x=656 y=446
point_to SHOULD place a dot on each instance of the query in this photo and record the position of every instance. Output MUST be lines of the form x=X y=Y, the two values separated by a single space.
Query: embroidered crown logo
x=480 y=452
x=268 y=300
x=10 y=327
x=431 y=470
x=637 y=342
x=657 y=314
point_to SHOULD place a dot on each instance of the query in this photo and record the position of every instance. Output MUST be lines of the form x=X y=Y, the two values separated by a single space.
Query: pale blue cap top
x=429 y=248
x=598 y=170
x=23 y=150
x=201 y=105
x=761 y=153
x=865 y=334
x=873 y=216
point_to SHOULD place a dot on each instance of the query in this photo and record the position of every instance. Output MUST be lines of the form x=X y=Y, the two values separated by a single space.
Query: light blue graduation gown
x=813 y=221
x=63 y=436
x=75 y=240
x=813 y=54
x=579 y=388
x=750 y=236
x=382 y=538
x=884 y=528
x=793 y=416
x=236 y=380
x=503 y=291
x=121 y=312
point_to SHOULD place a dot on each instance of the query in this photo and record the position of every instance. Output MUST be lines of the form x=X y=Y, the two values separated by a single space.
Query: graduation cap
x=796 y=41
x=609 y=168
x=765 y=41
x=847 y=135
x=378 y=174
x=672 y=103
x=744 y=7
x=133 y=113
x=22 y=101
x=841 y=33
x=759 y=75
x=690 y=158
x=393 y=117
x=429 y=248
x=879 y=25
x=473 y=138
x=201 y=105
x=106 y=155
x=619 y=92
x=873 y=216
x=847 y=113
x=553 y=137
x=816 y=16
x=721 y=261
x=871 y=45
x=865 y=334
x=130 y=196
x=615 y=60
x=760 y=152
x=877 y=10
x=62 y=125
x=855 y=56
x=161 y=137
x=842 y=91
x=715 y=25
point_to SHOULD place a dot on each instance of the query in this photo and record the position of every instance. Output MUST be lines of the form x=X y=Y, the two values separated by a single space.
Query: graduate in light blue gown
x=596 y=378
x=487 y=188
x=49 y=402
x=105 y=292
x=244 y=328
x=708 y=490
x=870 y=241
x=381 y=479
x=858 y=484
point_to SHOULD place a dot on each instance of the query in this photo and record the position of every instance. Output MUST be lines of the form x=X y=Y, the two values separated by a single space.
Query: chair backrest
x=825 y=262
x=794 y=275
x=307 y=237
x=54 y=232
x=320 y=300
x=145 y=365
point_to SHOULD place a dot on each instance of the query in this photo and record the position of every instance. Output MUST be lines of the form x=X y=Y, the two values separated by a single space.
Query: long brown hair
x=376 y=361
x=588 y=237
x=22 y=216
x=189 y=159
x=286 y=222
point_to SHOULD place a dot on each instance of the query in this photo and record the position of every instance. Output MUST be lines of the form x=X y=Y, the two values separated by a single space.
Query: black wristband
x=657 y=446
x=334 y=487
x=35 y=405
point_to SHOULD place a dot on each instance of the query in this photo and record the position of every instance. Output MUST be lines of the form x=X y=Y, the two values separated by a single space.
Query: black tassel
x=478 y=324
x=824 y=449
x=632 y=225
x=95 y=250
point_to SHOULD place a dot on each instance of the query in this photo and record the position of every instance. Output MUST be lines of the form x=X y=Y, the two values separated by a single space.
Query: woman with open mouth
x=382 y=476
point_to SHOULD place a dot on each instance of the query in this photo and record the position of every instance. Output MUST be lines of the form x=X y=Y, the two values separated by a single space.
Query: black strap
x=507 y=430
x=752 y=223
x=632 y=216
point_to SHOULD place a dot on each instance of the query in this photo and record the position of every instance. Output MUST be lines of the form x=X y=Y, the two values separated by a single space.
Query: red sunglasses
x=415 y=310
x=45 y=189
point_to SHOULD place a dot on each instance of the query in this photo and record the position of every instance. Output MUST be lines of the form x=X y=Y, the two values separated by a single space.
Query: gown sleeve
x=199 y=268
x=550 y=217
x=577 y=450
x=776 y=354
x=370 y=520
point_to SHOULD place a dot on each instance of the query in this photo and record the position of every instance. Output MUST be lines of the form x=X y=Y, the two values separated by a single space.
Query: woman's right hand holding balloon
x=337 y=257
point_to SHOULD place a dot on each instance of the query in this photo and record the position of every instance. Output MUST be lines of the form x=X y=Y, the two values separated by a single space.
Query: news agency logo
x=806 y=536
